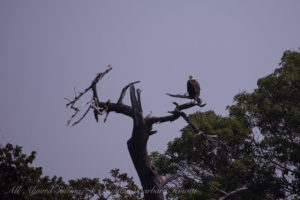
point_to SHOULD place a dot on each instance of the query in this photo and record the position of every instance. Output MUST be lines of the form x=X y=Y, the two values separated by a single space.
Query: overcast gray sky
x=48 y=47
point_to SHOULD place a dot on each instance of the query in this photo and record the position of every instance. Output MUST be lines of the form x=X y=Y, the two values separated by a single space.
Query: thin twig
x=94 y=82
x=77 y=110
x=86 y=112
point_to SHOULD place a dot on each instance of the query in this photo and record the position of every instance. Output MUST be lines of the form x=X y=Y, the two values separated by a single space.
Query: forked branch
x=77 y=110
x=94 y=82
x=173 y=116
x=120 y=101
x=98 y=106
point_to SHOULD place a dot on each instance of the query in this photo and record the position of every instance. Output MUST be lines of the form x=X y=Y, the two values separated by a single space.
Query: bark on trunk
x=149 y=178
x=137 y=146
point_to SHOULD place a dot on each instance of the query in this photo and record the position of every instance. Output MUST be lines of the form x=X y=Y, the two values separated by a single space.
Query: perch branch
x=179 y=96
x=187 y=97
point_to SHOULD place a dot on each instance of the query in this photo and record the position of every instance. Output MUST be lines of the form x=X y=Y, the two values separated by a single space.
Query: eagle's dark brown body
x=193 y=89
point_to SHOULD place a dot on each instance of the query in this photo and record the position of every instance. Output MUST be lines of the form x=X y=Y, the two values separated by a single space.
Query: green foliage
x=258 y=144
x=119 y=187
x=202 y=167
x=19 y=180
x=274 y=109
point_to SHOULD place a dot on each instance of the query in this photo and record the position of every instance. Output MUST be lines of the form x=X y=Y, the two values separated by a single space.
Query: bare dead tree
x=151 y=181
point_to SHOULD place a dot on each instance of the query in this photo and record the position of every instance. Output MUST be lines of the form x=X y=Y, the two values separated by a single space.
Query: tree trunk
x=150 y=180
x=137 y=145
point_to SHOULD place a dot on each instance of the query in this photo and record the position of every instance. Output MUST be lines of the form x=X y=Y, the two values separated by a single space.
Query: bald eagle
x=193 y=89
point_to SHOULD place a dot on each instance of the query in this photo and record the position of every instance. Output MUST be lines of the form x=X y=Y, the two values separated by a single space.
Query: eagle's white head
x=191 y=77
